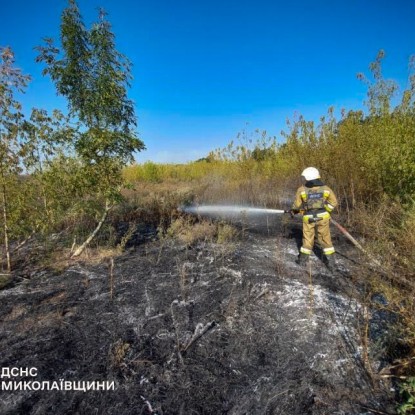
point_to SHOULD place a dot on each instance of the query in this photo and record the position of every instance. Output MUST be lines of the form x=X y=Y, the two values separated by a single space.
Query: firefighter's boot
x=302 y=259
x=330 y=262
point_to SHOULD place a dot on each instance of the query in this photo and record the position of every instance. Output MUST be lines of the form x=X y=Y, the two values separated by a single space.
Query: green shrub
x=407 y=391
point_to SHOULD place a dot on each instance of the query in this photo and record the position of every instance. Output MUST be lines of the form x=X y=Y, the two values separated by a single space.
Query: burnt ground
x=209 y=329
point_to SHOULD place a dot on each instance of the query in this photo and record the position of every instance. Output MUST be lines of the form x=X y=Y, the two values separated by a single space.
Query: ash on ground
x=209 y=329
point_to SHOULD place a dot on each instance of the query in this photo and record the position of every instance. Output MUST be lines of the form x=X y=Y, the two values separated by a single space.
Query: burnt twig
x=176 y=331
x=199 y=332
x=148 y=404
x=262 y=293
x=111 y=275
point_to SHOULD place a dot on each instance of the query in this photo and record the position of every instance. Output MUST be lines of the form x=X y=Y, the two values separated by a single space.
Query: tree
x=46 y=138
x=94 y=77
x=11 y=119
x=381 y=91
x=390 y=132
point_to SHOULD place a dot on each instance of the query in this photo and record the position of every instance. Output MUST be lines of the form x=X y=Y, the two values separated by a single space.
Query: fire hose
x=292 y=212
x=219 y=210
x=343 y=231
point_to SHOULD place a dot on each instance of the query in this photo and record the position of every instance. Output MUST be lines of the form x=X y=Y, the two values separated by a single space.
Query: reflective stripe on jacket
x=316 y=201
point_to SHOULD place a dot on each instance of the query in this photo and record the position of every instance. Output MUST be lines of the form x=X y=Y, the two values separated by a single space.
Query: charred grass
x=191 y=327
x=176 y=321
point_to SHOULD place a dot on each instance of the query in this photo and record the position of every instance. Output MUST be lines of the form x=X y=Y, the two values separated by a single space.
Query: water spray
x=230 y=210
x=242 y=211
x=247 y=212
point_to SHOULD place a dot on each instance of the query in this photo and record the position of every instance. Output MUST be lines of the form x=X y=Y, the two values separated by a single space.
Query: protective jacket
x=317 y=201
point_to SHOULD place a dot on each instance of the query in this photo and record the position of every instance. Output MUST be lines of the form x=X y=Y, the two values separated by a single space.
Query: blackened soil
x=210 y=329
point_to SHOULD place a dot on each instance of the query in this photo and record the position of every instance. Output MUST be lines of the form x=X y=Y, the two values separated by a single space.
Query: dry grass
x=226 y=233
x=15 y=313
x=127 y=237
x=118 y=353
x=34 y=323
x=388 y=231
x=188 y=232
x=59 y=260
x=55 y=299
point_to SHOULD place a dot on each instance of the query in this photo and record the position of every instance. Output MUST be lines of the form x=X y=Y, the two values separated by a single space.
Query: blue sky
x=206 y=70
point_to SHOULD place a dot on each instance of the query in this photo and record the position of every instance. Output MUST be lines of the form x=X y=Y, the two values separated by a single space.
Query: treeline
x=58 y=169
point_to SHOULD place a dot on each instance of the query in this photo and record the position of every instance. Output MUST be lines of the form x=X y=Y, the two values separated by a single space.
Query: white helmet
x=310 y=173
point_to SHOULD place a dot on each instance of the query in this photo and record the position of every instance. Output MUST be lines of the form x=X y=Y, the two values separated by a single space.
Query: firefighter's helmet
x=310 y=173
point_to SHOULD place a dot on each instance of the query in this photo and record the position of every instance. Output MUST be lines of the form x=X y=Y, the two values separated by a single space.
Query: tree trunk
x=81 y=249
x=5 y=228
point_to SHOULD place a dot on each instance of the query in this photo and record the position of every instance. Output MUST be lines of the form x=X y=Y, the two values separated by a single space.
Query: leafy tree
x=11 y=119
x=47 y=137
x=390 y=133
x=382 y=90
x=94 y=77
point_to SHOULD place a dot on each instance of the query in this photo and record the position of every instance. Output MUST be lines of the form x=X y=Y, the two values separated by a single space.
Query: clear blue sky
x=204 y=69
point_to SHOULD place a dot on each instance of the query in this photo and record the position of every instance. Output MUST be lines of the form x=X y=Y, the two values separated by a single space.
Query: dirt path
x=209 y=330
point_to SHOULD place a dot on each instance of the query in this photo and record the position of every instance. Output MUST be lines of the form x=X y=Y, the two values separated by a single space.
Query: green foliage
x=66 y=183
x=11 y=149
x=381 y=92
x=46 y=138
x=407 y=391
x=11 y=117
x=94 y=77
x=151 y=172
x=363 y=155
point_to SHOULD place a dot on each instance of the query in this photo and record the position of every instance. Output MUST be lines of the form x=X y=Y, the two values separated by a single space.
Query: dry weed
x=118 y=353
x=127 y=237
x=188 y=232
x=226 y=233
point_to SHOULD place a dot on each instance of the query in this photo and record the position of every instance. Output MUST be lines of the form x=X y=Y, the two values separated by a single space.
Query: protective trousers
x=323 y=236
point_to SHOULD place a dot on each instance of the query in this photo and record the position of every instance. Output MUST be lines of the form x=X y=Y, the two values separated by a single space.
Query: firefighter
x=316 y=201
